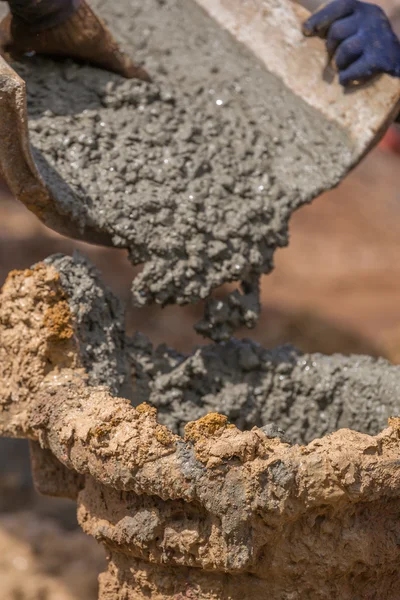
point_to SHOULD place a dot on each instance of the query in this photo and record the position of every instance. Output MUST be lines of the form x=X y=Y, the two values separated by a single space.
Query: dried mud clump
x=33 y=309
x=39 y=560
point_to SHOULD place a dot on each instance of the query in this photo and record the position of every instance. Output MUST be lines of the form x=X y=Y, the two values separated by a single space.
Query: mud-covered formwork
x=217 y=512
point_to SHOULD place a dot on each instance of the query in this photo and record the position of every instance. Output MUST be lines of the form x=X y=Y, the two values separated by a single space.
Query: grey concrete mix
x=196 y=173
x=307 y=396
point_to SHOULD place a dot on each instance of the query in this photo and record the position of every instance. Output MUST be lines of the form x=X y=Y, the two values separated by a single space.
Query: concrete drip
x=223 y=317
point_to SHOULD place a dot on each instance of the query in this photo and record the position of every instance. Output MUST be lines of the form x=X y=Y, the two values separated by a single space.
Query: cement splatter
x=198 y=172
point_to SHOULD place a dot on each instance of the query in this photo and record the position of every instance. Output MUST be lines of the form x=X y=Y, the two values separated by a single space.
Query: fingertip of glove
x=307 y=29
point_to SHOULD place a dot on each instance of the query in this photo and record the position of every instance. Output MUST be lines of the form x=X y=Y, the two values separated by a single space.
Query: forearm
x=43 y=14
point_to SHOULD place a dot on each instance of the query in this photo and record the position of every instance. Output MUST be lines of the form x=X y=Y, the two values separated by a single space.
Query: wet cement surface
x=198 y=172
x=306 y=396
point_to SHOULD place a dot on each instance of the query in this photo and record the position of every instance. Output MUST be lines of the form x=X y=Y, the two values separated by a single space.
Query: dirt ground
x=40 y=561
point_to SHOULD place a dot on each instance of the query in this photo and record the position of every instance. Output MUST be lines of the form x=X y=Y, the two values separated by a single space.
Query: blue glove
x=359 y=37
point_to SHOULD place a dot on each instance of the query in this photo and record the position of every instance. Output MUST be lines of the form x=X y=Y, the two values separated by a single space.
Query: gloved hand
x=359 y=37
